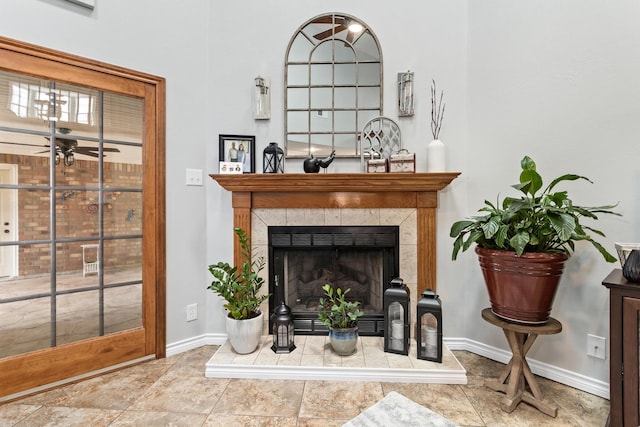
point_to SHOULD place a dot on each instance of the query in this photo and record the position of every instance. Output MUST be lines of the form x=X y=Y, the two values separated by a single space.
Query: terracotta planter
x=521 y=288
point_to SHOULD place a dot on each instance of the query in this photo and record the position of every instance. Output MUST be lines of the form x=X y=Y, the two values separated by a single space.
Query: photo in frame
x=239 y=148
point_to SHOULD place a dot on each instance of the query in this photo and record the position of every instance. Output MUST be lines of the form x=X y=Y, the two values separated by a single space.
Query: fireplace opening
x=363 y=259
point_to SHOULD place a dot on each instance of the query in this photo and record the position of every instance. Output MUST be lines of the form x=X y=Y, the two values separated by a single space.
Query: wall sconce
x=282 y=329
x=273 y=159
x=429 y=327
x=396 y=317
x=262 y=99
x=405 y=94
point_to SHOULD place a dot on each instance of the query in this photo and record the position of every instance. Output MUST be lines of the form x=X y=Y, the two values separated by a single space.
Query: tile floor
x=174 y=391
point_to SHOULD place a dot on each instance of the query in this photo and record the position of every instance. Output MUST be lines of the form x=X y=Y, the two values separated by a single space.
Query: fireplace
x=302 y=259
x=408 y=199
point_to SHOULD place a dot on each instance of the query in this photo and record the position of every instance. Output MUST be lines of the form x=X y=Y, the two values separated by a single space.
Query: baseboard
x=563 y=376
x=195 y=342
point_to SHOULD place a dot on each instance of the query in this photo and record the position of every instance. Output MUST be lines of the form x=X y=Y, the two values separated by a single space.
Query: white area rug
x=395 y=410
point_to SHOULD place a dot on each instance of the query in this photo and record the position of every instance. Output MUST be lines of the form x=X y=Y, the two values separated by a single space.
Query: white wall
x=429 y=38
x=556 y=81
x=160 y=38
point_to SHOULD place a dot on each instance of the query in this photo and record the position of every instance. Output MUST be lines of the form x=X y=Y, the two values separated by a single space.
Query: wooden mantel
x=345 y=190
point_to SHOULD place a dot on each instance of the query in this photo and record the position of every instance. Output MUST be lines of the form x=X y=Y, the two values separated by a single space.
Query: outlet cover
x=192 y=312
x=596 y=346
x=194 y=176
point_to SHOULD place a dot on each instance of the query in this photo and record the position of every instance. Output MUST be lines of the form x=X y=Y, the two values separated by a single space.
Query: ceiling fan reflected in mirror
x=341 y=24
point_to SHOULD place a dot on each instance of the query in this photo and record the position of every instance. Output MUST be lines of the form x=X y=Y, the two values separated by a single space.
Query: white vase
x=244 y=335
x=436 y=156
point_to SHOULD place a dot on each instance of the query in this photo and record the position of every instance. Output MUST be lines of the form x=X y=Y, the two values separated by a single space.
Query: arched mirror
x=333 y=86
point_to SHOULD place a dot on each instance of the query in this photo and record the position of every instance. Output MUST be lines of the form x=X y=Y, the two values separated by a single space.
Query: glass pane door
x=71 y=208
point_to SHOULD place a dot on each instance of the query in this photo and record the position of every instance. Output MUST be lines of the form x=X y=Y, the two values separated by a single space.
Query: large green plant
x=547 y=222
x=336 y=311
x=240 y=286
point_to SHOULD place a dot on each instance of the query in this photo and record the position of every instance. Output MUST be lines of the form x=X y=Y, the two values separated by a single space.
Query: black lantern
x=429 y=327
x=273 y=159
x=396 y=317
x=282 y=329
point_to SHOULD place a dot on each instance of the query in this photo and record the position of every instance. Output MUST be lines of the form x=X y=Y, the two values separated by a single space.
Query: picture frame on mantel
x=238 y=148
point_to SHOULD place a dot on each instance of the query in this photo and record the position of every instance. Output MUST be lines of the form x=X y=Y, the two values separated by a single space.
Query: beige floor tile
x=182 y=389
x=274 y=398
x=323 y=399
x=446 y=400
x=117 y=390
x=12 y=413
x=321 y=422
x=62 y=416
x=157 y=419
x=216 y=420
x=488 y=404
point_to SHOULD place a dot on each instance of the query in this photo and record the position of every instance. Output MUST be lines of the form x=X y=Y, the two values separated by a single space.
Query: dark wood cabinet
x=624 y=325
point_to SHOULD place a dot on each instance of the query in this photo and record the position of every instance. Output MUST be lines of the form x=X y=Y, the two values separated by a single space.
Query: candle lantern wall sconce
x=429 y=327
x=396 y=317
x=405 y=94
x=262 y=99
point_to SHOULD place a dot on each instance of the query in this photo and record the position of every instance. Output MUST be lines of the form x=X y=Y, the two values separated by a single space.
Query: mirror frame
x=360 y=114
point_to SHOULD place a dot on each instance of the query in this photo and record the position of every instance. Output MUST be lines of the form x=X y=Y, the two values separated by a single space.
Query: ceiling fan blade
x=96 y=149
x=86 y=153
x=327 y=19
x=350 y=36
x=331 y=31
x=20 y=143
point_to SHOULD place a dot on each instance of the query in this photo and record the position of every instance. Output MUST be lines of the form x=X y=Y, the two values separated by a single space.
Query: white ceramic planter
x=244 y=335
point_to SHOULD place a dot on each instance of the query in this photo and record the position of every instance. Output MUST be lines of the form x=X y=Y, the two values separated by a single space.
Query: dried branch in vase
x=437 y=111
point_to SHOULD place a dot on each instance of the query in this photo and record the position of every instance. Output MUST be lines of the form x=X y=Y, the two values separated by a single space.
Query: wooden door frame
x=39 y=368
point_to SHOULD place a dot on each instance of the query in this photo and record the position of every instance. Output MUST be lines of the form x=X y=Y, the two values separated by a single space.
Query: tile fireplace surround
x=406 y=200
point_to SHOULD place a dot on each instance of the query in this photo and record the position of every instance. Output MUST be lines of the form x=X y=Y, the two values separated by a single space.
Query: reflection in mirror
x=70 y=177
x=333 y=86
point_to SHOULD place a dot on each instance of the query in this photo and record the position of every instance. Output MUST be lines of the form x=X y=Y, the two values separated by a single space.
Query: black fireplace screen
x=363 y=259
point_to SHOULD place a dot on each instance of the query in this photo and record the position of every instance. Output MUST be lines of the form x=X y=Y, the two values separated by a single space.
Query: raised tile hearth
x=313 y=359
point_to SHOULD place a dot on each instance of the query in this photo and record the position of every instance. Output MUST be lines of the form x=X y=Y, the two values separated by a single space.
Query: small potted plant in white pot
x=523 y=243
x=341 y=318
x=240 y=287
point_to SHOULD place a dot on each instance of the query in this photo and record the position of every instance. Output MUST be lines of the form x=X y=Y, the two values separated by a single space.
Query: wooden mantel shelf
x=336 y=182
x=344 y=190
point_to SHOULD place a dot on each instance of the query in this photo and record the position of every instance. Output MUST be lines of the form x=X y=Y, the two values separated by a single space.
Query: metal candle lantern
x=282 y=329
x=273 y=159
x=396 y=317
x=429 y=327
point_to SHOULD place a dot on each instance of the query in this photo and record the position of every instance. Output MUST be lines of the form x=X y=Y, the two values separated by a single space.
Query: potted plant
x=240 y=287
x=523 y=243
x=341 y=318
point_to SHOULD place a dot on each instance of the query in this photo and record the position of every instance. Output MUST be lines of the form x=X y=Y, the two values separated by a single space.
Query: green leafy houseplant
x=240 y=286
x=336 y=311
x=545 y=222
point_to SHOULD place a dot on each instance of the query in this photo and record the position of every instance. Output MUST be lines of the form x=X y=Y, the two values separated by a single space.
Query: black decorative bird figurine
x=313 y=165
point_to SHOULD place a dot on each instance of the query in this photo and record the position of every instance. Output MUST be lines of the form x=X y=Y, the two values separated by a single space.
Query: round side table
x=517 y=375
